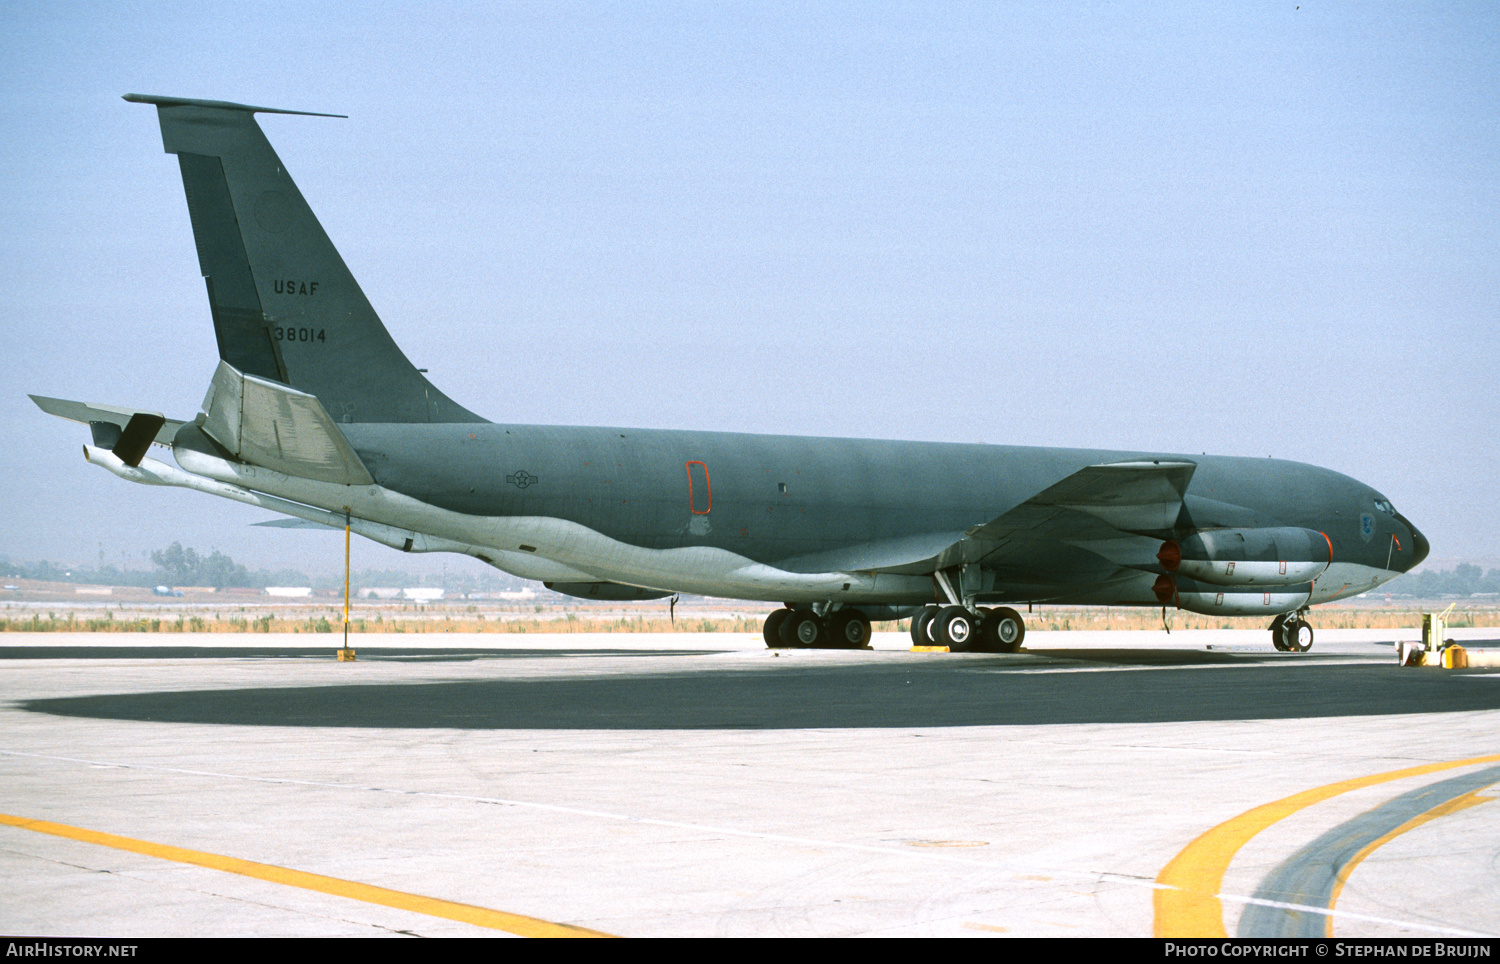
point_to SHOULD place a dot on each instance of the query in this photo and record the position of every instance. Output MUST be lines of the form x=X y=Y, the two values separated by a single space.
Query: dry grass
x=333 y=623
x=319 y=620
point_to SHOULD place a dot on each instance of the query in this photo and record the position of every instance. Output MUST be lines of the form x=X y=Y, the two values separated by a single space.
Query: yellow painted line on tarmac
x=431 y=906
x=1187 y=897
x=1464 y=802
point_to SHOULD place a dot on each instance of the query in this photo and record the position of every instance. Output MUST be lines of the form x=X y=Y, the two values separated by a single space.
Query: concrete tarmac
x=701 y=785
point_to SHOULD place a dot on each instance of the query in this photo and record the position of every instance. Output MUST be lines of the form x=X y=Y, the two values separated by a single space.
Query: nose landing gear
x=1291 y=633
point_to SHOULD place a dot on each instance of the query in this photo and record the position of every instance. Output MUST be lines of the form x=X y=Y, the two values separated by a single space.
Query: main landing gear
x=805 y=629
x=1291 y=633
x=969 y=631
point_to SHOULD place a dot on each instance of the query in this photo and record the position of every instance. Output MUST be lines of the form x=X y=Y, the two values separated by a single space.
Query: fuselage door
x=700 y=496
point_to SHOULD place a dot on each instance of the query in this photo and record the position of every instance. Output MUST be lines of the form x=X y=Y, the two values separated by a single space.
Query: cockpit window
x=1385 y=507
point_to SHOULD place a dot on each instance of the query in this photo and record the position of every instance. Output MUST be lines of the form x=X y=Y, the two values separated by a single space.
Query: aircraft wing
x=1101 y=524
x=1097 y=502
x=1100 y=518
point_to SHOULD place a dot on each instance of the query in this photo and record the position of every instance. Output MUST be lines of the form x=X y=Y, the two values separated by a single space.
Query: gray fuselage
x=808 y=504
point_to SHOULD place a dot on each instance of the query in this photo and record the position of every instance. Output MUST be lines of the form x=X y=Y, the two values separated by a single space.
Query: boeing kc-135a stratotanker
x=315 y=413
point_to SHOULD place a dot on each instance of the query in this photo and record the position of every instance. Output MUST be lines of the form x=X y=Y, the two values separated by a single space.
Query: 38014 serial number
x=300 y=334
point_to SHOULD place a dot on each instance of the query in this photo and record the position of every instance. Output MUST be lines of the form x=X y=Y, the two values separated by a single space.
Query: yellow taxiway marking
x=1187 y=897
x=431 y=906
x=1470 y=799
x=947 y=843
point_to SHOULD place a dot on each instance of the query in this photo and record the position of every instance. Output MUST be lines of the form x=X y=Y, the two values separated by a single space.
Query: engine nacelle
x=1282 y=556
x=1209 y=600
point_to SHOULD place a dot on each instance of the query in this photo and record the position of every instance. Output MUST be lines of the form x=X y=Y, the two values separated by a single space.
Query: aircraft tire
x=1009 y=629
x=802 y=629
x=987 y=643
x=848 y=629
x=1278 y=633
x=956 y=628
x=772 y=628
x=1299 y=636
x=919 y=623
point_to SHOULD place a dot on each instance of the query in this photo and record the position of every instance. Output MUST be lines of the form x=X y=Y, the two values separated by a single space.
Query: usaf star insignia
x=521 y=479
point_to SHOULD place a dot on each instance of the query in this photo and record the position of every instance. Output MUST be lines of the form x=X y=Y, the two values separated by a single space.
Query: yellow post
x=346 y=655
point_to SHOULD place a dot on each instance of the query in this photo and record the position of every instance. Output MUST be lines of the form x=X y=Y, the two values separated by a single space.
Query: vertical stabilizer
x=285 y=306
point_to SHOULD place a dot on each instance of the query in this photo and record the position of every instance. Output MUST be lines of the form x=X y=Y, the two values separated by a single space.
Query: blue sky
x=1251 y=229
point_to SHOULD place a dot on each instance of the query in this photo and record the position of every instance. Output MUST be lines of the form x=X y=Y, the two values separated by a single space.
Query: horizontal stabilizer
x=97 y=415
x=160 y=101
x=268 y=424
x=293 y=524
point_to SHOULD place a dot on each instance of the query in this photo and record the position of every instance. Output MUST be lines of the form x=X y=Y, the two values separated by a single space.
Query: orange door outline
x=695 y=498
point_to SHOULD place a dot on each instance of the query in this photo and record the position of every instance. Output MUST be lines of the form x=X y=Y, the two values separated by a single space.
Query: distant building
x=422 y=593
x=289 y=592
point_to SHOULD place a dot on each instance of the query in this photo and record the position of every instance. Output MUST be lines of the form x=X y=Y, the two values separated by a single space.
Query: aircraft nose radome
x=1420 y=545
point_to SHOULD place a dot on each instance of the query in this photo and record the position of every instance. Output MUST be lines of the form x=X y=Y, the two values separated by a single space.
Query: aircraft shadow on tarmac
x=876 y=695
x=416 y=654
